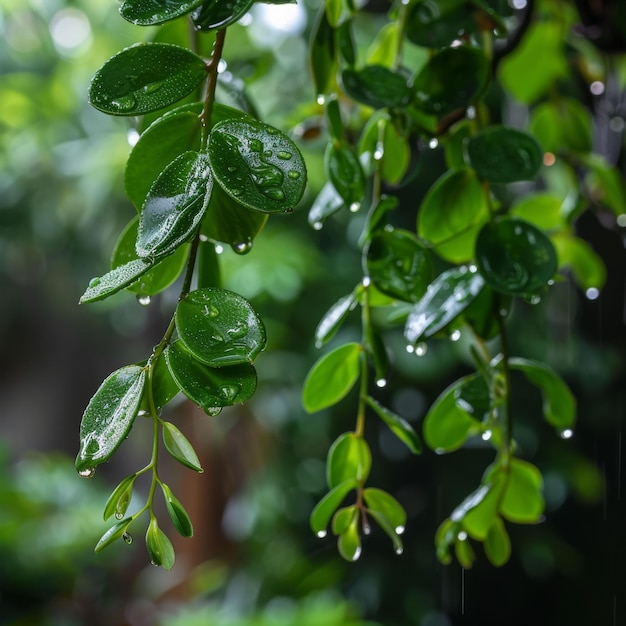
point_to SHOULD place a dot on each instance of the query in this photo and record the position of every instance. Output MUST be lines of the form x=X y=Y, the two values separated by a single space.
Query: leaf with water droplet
x=331 y=377
x=344 y=171
x=235 y=335
x=149 y=12
x=109 y=416
x=398 y=426
x=179 y=447
x=174 y=206
x=386 y=505
x=327 y=202
x=390 y=530
x=333 y=318
x=343 y=518
x=515 y=257
x=159 y=546
x=349 y=458
x=376 y=86
x=210 y=387
x=324 y=509
x=349 y=542
x=122 y=85
x=120 y=498
x=218 y=14
x=445 y=299
x=113 y=534
x=176 y=511
x=522 y=501
x=504 y=155
x=117 y=279
x=261 y=179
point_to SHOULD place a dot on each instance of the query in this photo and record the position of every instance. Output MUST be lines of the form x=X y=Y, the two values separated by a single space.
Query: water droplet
x=535 y=299
x=219 y=249
x=357 y=554
x=231 y=168
x=275 y=193
x=455 y=335
x=379 y=152
x=132 y=136
x=433 y=143
x=366 y=282
x=568 y=433
x=410 y=349
x=211 y=310
x=321 y=100
x=381 y=382
x=242 y=247
x=440 y=451
x=399 y=530
x=213 y=411
x=486 y=436
x=88 y=472
x=592 y=293
x=367 y=529
x=256 y=145
x=504 y=312
x=203 y=238
x=355 y=206
x=321 y=534
x=229 y=392
x=399 y=550
x=284 y=155
x=318 y=225
x=143 y=300
x=154 y=563
x=127 y=537
x=152 y=87
x=119 y=516
x=94 y=282
x=421 y=349
x=240 y=329
x=124 y=103
x=462 y=536
x=293 y=174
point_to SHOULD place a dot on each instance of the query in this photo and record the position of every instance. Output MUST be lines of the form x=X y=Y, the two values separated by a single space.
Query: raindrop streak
x=87 y=473
x=321 y=534
x=127 y=537
x=143 y=300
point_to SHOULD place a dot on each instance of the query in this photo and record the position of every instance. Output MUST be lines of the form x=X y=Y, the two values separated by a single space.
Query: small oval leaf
x=159 y=546
x=217 y=14
x=148 y=12
x=117 y=279
x=113 y=534
x=398 y=426
x=376 y=86
x=120 y=498
x=349 y=458
x=176 y=511
x=179 y=447
x=325 y=508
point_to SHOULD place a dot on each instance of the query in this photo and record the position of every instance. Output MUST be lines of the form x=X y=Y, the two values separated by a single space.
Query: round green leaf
x=587 y=267
x=376 y=86
x=324 y=509
x=159 y=277
x=217 y=14
x=176 y=511
x=145 y=77
x=542 y=209
x=174 y=206
x=464 y=552
x=504 y=155
x=349 y=458
x=257 y=165
x=398 y=264
x=522 y=502
x=109 y=416
x=159 y=546
x=345 y=173
x=452 y=213
x=331 y=377
x=179 y=447
x=147 y=12
x=452 y=79
x=210 y=387
x=219 y=327
x=515 y=257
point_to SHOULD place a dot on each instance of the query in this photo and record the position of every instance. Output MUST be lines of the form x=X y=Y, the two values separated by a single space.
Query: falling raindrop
x=399 y=530
x=128 y=538
x=381 y=382
x=242 y=247
x=592 y=293
x=143 y=300
x=568 y=433
x=321 y=534
x=88 y=472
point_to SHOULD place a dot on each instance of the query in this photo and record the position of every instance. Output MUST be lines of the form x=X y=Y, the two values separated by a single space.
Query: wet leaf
x=109 y=416
x=323 y=53
x=116 y=280
x=346 y=44
x=464 y=552
x=376 y=86
x=474 y=397
x=389 y=529
x=386 y=505
x=218 y=14
x=164 y=387
x=210 y=387
x=113 y=534
x=148 y=12
x=327 y=202
x=159 y=546
x=333 y=318
x=398 y=264
x=349 y=542
x=343 y=518
x=498 y=544
x=515 y=257
x=398 y=426
x=344 y=170
x=504 y=155
x=145 y=77
x=478 y=511
x=445 y=299
x=349 y=458
x=179 y=447
x=331 y=377
x=176 y=511
x=587 y=267
x=174 y=205
x=325 y=508
x=120 y=498
x=219 y=327
x=257 y=165
x=542 y=210
x=522 y=502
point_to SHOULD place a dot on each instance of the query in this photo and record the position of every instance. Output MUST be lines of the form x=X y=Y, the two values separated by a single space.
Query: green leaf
x=349 y=458
x=504 y=155
x=109 y=416
x=498 y=544
x=606 y=183
x=446 y=425
x=230 y=222
x=343 y=518
x=386 y=505
x=209 y=271
x=398 y=426
x=120 y=498
x=327 y=202
x=444 y=538
x=333 y=318
x=257 y=165
x=217 y=14
x=148 y=12
x=377 y=352
x=177 y=512
x=452 y=79
x=445 y=299
x=543 y=210
x=179 y=447
x=331 y=377
x=164 y=387
x=522 y=501
x=464 y=552
x=145 y=77
x=378 y=214
x=479 y=510
x=587 y=267
x=398 y=264
x=334 y=119
x=344 y=171
x=382 y=50
x=159 y=546
x=559 y=403
x=219 y=327
x=116 y=280
x=383 y=521
x=480 y=315
x=562 y=124
x=323 y=54
x=174 y=205
x=161 y=276
x=113 y=534
x=210 y=387
x=376 y=86
x=324 y=509
x=346 y=44
x=349 y=542
x=474 y=397
x=515 y=257
x=452 y=213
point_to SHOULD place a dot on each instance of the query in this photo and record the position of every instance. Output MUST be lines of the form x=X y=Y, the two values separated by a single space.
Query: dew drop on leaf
x=284 y=155
x=152 y=87
x=119 y=516
x=127 y=537
x=124 y=104
x=143 y=300
x=88 y=472
x=355 y=206
x=399 y=550
x=421 y=349
x=293 y=174
x=486 y=436
x=381 y=382
x=399 y=530
x=275 y=193
x=94 y=282
x=321 y=534
x=242 y=247
x=455 y=335
x=318 y=225
x=213 y=411
x=357 y=554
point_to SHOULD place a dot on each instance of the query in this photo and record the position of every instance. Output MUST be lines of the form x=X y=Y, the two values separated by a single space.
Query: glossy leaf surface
x=445 y=299
x=325 y=508
x=257 y=165
x=210 y=387
x=217 y=14
x=523 y=501
x=498 y=544
x=328 y=201
x=145 y=77
x=109 y=416
x=504 y=155
x=331 y=377
x=159 y=546
x=515 y=257
x=349 y=542
x=113 y=534
x=398 y=426
x=376 y=86
x=174 y=206
x=385 y=504
x=179 y=447
x=176 y=511
x=219 y=327
x=120 y=498
x=333 y=318
x=116 y=280
x=345 y=172
x=349 y=458
x=148 y=12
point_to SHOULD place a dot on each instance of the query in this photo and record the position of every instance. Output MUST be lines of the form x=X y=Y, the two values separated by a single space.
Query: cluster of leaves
x=426 y=82
x=200 y=175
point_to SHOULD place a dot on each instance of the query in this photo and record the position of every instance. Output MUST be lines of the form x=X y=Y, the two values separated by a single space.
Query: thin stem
x=504 y=417
x=209 y=99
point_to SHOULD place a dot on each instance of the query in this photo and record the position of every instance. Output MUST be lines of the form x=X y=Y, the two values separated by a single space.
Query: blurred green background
x=253 y=560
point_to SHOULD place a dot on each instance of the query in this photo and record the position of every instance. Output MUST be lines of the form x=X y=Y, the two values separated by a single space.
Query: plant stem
x=209 y=99
x=504 y=407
